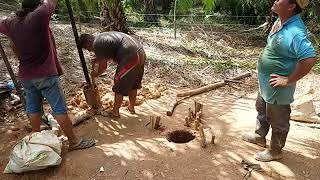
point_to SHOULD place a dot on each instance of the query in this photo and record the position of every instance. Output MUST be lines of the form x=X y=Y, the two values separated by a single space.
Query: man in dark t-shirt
x=129 y=56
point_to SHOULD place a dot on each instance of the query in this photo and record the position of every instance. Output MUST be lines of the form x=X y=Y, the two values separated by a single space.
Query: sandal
x=84 y=143
x=109 y=114
x=131 y=112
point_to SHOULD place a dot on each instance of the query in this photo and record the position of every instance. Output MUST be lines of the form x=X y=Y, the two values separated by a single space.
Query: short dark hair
x=27 y=6
x=298 y=9
x=30 y=4
x=84 y=38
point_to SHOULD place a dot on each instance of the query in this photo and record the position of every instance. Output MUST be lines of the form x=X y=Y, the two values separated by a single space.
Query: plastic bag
x=36 y=151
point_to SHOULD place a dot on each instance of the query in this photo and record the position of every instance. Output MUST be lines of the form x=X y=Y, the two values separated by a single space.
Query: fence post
x=79 y=18
x=174 y=19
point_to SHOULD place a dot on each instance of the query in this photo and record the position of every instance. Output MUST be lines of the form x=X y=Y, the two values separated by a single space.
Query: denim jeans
x=49 y=88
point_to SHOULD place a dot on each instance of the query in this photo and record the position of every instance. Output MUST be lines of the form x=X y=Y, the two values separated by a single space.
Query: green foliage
x=10 y=2
x=184 y=6
x=134 y=5
x=85 y=8
x=210 y=6
x=246 y=8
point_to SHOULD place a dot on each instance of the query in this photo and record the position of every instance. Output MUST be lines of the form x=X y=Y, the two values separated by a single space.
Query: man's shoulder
x=297 y=29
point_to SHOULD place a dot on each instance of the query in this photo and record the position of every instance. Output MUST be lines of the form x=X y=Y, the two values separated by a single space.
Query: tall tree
x=114 y=20
x=150 y=11
x=119 y=17
x=107 y=22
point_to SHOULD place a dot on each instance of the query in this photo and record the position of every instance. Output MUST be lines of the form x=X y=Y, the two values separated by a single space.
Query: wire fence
x=185 y=23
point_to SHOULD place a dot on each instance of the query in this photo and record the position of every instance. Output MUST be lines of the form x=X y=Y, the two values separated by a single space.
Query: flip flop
x=109 y=114
x=131 y=112
x=84 y=143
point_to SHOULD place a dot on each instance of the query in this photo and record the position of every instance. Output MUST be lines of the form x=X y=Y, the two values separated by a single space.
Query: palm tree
x=114 y=20
x=107 y=22
x=150 y=11
x=120 y=20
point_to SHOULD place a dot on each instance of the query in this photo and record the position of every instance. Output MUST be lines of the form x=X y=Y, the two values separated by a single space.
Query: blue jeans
x=49 y=88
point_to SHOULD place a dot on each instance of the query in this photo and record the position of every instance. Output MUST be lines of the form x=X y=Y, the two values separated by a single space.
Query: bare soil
x=128 y=149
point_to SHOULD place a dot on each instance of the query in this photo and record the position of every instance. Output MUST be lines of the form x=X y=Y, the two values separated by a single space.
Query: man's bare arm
x=102 y=66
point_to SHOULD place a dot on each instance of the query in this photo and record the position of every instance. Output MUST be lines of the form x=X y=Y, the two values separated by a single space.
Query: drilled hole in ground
x=180 y=136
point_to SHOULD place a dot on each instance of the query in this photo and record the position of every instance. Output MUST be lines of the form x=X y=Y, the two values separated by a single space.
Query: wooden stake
x=212 y=138
x=198 y=118
x=196 y=125
x=152 y=122
x=187 y=121
x=202 y=136
x=197 y=107
x=190 y=114
x=157 y=123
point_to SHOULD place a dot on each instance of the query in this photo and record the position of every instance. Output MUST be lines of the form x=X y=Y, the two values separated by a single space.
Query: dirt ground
x=128 y=149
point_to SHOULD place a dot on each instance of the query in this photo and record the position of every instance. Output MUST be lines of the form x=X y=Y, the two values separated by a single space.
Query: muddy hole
x=180 y=136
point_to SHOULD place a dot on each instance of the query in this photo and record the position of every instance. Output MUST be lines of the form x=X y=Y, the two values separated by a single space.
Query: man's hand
x=94 y=74
x=278 y=81
x=94 y=60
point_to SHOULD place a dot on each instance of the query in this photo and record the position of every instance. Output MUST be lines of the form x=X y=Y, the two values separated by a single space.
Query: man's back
x=115 y=45
x=32 y=38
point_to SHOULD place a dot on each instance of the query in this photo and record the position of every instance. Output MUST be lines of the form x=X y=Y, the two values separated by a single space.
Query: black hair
x=26 y=8
x=84 y=38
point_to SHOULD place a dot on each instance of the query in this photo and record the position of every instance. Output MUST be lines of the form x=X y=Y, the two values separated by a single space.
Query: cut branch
x=210 y=87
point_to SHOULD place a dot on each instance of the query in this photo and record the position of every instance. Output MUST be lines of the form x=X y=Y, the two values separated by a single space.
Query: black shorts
x=129 y=77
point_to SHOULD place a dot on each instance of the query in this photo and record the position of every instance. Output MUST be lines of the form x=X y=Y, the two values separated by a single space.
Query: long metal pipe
x=76 y=37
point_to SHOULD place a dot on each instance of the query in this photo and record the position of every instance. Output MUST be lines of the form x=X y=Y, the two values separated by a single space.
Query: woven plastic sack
x=34 y=152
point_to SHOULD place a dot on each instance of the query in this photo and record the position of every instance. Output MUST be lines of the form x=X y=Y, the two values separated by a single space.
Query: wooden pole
x=196 y=124
x=212 y=138
x=14 y=79
x=187 y=122
x=174 y=19
x=202 y=136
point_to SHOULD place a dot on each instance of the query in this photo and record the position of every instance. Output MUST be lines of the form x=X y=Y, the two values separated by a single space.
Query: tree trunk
x=119 y=17
x=166 y=6
x=107 y=22
x=114 y=20
x=150 y=11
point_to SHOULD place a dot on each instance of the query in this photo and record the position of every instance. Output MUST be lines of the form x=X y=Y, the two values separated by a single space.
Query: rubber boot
x=278 y=141
x=255 y=139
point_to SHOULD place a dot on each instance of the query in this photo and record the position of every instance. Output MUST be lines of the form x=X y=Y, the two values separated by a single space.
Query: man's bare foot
x=131 y=110
x=109 y=114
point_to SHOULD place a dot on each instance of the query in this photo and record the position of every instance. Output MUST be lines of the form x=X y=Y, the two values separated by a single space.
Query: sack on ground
x=34 y=152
